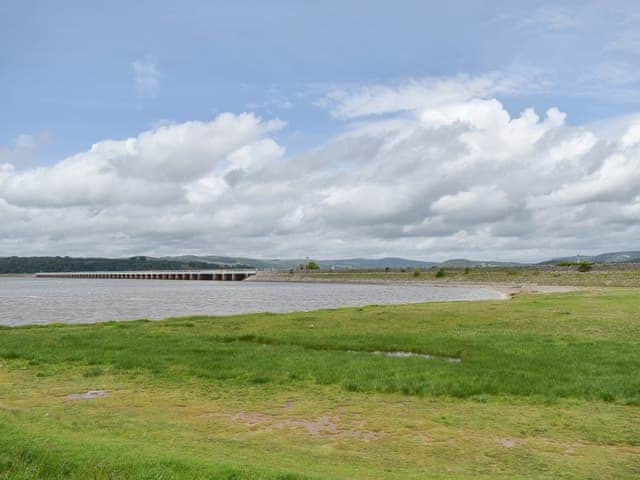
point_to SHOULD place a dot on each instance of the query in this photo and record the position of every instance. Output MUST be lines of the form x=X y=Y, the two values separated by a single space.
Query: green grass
x=547 y=387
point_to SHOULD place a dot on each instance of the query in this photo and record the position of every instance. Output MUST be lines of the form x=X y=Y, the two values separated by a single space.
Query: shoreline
x=506 y=289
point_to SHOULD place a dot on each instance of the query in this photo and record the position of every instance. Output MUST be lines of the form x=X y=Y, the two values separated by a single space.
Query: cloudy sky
x=502 y=130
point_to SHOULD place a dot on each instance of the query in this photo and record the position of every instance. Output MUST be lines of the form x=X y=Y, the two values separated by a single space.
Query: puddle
x=90 y=395
x=386 y=353
x=399 y=353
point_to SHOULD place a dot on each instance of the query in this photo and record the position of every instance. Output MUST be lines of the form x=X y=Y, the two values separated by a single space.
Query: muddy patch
x=324 y=425
x=90 y=395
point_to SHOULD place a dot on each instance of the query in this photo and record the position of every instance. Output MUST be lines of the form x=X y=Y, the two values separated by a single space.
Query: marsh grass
x=572 y=352
x=561 y=347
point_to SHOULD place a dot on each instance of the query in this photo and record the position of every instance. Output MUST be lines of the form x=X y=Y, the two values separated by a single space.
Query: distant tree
x=387 y=269
x=313 y=265
x=584 y=267
x=417 y=272
x=466 y=270
x=440 y=273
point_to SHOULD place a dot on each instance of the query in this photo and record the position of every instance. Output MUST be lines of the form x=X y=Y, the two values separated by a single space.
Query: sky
x=432 y=130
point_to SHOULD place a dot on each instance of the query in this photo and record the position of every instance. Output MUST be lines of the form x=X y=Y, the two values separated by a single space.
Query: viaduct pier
x=220 y=275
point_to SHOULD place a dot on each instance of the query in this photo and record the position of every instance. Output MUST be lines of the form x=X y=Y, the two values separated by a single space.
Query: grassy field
x=615 y=275
x=547 y=386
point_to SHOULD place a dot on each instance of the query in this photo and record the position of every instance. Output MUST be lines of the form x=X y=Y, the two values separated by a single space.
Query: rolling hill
x=607 y=258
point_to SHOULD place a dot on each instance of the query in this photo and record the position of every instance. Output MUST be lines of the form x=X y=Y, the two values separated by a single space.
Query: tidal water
x=27 y=300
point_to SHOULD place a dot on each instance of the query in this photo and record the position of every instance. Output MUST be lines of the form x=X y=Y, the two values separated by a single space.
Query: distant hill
x=232 y=261
x=345 y=263
x=374 y=263
x=463 y=262
x=610 y=257
x=70 y=264
x=397 y=262
x=617 y=257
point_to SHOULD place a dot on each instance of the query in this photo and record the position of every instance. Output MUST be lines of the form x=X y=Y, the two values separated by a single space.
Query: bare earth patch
x=90 y=395
x=324 y=425
x=511 y=290
x=509 y=442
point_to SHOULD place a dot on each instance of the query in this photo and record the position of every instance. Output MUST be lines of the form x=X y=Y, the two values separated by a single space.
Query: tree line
x=71 y=264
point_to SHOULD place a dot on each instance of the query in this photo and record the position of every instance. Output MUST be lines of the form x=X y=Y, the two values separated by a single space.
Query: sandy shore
x=510 y=290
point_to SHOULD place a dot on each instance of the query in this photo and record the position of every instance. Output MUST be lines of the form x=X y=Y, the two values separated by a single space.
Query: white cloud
x=632 y=136
x=424 y=93
x=457 y=175
x=481 y=203
x=616 y=180
x=146 y=77
x=153 y=168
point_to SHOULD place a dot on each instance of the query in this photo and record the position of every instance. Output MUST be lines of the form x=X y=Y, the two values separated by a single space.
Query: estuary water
x=28 y=300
